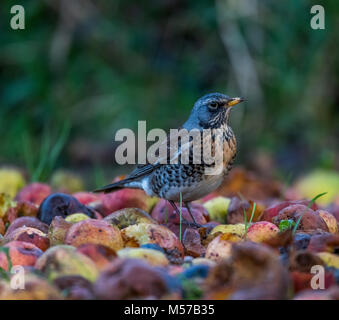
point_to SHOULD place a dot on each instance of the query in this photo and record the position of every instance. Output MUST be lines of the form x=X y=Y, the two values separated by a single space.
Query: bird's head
x=211 y=111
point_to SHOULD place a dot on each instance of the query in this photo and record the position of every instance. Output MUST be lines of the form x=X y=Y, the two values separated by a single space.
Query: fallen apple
x=29 y=234
x=20 y=253
x=11 y=181
x=221 y=246
x=35 y=288
x=217 y=208
x=94 y=231
x=261 y=231
x=65 y=181
x=35 y=192
x=59 y=204
x=129 y=216
x=99 y=254
x=272 y=211
x=238 y=229
x=130 y=279
x=27 y=222
x=143 y=233
x=310 y=221
x=57 y=230
x=329 y=219
x=76 y=217
x=64 y=260
x=152 y=257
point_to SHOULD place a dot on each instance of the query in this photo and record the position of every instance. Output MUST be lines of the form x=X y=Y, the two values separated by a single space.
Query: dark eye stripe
x=213 y=104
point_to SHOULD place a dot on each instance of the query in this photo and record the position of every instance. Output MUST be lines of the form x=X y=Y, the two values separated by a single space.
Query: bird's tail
x=125 y=183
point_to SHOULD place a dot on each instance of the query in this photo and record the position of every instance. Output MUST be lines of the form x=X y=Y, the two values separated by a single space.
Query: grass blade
x=180 y=214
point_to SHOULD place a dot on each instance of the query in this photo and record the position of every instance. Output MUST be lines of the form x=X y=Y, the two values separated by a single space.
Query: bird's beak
x=233 y=101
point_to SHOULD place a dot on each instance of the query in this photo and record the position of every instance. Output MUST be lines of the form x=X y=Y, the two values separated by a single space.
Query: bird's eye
x=213 y=105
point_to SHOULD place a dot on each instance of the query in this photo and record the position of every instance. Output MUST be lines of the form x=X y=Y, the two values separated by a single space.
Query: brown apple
x=310 y=221
x=28 y=234
x=96 y=232
x=130 y=279
x=27 y=222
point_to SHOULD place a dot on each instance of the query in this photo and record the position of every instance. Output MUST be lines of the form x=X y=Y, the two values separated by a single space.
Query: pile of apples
x=126 y=245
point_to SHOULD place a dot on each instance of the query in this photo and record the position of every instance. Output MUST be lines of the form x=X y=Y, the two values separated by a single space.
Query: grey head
x=211 y=111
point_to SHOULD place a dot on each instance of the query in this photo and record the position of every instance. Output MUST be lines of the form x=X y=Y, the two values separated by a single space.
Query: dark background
x=83 y=69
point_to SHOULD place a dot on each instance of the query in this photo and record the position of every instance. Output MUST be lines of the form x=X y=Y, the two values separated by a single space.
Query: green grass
x=41 y=165
x=245 y=220
x=180 y=215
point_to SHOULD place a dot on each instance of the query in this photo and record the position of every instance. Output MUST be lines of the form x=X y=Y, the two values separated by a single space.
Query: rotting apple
x=261 y=231
x=238 y=207
x=272 y=211
x=125 y=198
x=129 y=216
x=35 y=192
x=152 y=257
x=6 y=203
x=57 y=230
x=221 y=246
x=217 y=208
x=238 y=229
x=192 y=243
x=64 y=260
x=324 y=242
x=11 y=181
x=86 y=197
x=21 y=209
x=36 y=288
x=60 y=204
x=32 y=222
x=310 y=221
x=20 y=253
x=76 y=217
x=29 y=234
x=143 y=233
x=94 y=231
x=99 y=254
x=65 y=181
x=75 y=287
x=330 y=259
x=130 y=279
x=330 y=220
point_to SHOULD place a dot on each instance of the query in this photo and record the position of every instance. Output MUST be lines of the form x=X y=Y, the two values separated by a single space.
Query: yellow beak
x=235 y=101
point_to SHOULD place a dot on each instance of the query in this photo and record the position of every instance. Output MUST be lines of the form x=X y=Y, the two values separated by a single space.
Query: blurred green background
x=83 y=69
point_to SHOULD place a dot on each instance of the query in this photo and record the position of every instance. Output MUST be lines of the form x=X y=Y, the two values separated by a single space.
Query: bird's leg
x=178 y=212
x=188 y=206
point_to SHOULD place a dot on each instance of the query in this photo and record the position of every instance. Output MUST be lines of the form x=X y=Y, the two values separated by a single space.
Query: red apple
x=35 y=192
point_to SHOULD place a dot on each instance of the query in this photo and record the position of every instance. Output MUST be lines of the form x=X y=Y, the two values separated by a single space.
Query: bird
x=188 y=181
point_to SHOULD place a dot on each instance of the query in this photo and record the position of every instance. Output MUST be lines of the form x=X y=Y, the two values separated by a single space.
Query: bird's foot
x=191 y=224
